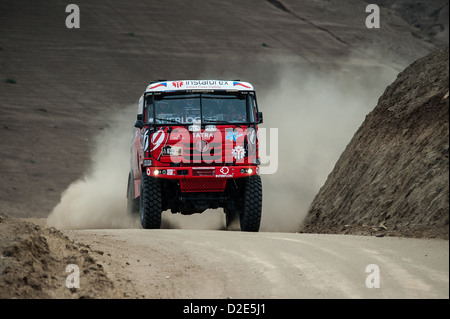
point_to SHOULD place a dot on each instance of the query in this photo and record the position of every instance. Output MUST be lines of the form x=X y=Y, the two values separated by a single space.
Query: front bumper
x=202 y=172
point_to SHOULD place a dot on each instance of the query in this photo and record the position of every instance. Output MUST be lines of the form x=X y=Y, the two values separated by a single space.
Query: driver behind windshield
x=234 y=112
x=211 y=111
x=162 y=108
x=170 y=112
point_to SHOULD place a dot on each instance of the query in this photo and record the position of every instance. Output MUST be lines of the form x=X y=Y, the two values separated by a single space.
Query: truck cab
x=195 y=147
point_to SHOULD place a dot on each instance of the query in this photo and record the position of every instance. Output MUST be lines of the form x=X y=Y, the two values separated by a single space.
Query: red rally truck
x=195 y=147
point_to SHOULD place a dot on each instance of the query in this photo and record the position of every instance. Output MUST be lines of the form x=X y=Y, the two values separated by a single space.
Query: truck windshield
x=201 y=108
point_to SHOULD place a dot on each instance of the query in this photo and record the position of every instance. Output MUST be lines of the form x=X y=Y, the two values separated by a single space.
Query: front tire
x=250 y=216
x=151 y=204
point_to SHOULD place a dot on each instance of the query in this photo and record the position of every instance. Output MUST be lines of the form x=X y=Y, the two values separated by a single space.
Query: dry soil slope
x=393 y=175
x=33 y=261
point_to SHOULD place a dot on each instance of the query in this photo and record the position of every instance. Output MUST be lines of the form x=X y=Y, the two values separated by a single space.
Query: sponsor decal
x=232 y=136
x=238 y=152
x=204 y=134
x=145 y=140
x=251 y=135
x=171 y=172
x=194 y=128
x=177 y=84
x=251 y=141
x=202 y=146
x=240 y=84
x=158 y=85
x=225 y=172
x=157 y=139
x=210 y=128
x=199 y=84
x=206 y=82
x=172 y=150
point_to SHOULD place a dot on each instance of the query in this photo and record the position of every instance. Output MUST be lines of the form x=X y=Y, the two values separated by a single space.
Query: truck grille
x=203 y=185
x=192 y=154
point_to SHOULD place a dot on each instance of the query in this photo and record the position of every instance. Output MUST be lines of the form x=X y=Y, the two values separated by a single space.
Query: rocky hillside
x=393 y=177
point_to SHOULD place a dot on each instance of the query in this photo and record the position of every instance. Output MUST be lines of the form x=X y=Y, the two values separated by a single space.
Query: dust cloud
x=316 y=115
x=98 y=199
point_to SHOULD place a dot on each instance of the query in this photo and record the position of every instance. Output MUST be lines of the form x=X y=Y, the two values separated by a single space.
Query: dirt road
x=175 y=263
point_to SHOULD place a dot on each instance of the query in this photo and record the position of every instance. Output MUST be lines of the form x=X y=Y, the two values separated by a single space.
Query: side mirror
x=139 y=124
x=260 y=117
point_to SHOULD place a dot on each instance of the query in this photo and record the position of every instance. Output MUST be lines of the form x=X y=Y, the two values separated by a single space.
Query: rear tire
x=250 y=215
x=151 y=205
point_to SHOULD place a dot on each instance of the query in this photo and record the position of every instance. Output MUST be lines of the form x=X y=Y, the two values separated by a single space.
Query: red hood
x=214 y=144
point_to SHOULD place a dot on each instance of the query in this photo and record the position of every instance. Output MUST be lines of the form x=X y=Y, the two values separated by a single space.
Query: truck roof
x=183 y=85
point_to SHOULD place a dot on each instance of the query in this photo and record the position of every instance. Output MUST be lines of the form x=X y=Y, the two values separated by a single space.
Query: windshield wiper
x=223 y=121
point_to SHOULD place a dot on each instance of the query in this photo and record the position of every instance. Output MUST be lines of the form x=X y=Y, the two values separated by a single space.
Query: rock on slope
x=393 y=177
